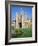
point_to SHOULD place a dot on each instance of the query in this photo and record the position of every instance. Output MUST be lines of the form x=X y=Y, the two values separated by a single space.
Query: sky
x=15 y=8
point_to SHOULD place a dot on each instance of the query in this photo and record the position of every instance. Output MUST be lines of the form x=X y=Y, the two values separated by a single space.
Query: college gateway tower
x=22 y=20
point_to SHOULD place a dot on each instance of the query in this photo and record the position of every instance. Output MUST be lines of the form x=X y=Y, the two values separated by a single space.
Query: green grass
x=27 y=32
x=24 y=32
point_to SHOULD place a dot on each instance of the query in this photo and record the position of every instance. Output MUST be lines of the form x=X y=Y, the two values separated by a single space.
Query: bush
x=12 y=27
x=18 y=31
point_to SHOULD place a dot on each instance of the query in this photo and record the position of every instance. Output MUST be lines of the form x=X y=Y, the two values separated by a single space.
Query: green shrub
x=18 y=31
x=12 y=27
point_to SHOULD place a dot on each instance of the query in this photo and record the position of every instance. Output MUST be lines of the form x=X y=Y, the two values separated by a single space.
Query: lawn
x=27 y=32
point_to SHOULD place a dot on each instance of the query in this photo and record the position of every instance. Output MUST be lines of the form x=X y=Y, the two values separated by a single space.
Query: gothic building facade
x=22 y=20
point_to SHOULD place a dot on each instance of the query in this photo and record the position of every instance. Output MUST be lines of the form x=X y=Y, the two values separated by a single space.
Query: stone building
x=22 y=20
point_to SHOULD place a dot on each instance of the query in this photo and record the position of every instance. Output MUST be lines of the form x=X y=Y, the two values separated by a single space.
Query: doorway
x=20 y=25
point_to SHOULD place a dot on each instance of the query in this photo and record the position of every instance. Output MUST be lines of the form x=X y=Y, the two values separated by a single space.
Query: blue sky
x=27 y=10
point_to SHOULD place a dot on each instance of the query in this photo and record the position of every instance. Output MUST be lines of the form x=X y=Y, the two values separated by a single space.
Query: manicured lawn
x=27 y=32
x=24 y=32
